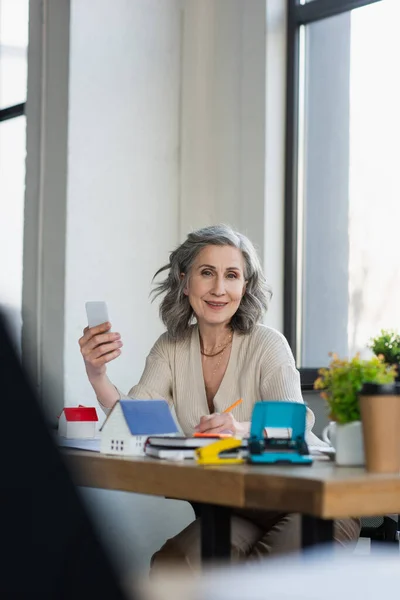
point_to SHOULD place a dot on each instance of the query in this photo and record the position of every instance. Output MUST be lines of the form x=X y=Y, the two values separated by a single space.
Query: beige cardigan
x=261 y=367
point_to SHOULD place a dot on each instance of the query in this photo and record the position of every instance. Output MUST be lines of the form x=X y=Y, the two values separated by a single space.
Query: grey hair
x=175 y=309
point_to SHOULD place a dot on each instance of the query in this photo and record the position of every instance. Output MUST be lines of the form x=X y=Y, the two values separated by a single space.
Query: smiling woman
x=214 y=277
x=215 y=253
x=214 y=289
x=215 y=350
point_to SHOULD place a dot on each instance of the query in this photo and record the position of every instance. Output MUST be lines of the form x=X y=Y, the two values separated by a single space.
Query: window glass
x=349 y=190
x=12 y=192
x=13 y=51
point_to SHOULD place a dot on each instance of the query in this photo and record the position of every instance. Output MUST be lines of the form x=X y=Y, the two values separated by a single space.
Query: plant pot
x=347 y=440
x=380 y=416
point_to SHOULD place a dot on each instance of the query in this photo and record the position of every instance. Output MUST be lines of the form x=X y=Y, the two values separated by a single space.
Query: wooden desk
x=322 y=491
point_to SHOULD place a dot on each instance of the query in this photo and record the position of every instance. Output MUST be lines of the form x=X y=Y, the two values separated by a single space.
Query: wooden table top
x=321 y=490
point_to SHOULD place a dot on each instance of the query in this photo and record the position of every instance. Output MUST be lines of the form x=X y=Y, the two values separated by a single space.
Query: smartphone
x=97 y=313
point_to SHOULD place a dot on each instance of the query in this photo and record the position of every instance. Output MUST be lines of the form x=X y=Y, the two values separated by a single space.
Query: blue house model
x=129 y=424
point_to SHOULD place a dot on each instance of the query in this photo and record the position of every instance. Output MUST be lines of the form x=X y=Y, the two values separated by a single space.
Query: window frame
x=299 y=15
x=15 y=110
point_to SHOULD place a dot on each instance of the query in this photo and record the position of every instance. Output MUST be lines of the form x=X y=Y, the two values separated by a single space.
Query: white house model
x=129 y=424
x=78 y=422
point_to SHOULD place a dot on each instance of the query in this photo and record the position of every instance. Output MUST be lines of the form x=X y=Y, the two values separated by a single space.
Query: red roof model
x=80 y=413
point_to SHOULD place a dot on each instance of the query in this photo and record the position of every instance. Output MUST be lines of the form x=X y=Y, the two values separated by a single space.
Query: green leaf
x=343 y=379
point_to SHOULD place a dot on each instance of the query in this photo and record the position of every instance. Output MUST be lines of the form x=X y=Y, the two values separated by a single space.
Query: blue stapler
x=277 y=434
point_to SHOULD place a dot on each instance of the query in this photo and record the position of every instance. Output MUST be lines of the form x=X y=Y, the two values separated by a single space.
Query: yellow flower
x=317 y=382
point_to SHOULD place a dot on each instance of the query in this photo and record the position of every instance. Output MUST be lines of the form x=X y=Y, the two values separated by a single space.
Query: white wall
x=275 y=105
x=43 y=295
x=223 y=116
x=233 y=119
x=122 y=217
x=13 y=83
x=122 y=214
x=12 y=180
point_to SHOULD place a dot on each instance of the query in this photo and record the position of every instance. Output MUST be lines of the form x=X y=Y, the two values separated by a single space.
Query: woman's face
x=216 y=284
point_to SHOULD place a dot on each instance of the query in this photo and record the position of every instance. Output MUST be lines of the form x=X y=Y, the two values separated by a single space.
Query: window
x=342 y=191
x=13 y=86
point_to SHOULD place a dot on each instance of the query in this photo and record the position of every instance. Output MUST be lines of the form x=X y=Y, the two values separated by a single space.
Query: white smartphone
x=97 y=313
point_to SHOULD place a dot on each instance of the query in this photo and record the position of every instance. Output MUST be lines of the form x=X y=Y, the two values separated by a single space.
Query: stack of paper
x=80 y=444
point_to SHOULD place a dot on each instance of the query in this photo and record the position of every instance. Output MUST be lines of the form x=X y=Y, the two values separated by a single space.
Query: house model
x=130 y=422
x=78 y=422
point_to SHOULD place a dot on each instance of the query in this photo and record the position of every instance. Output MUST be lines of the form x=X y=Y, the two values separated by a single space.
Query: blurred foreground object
x=313 y=576
x=50 y=546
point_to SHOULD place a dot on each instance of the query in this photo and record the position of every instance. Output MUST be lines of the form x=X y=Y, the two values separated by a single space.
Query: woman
x=214 y=278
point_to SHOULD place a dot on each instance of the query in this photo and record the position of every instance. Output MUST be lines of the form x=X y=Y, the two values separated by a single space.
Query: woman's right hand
x=98 y=347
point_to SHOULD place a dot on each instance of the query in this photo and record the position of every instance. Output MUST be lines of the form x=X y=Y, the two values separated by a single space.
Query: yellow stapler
x=211 y=454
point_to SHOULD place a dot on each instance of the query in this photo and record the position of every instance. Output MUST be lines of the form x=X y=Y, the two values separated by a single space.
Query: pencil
x=233 y=405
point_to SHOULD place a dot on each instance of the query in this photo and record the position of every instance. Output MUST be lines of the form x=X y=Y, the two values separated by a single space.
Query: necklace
x=224 y=344
x=221 y=353
x=215 y=353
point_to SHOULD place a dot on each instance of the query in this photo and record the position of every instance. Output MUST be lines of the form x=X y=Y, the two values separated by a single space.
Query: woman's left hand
x=218 y=423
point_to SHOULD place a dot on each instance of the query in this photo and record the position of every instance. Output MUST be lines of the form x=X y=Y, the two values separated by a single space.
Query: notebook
x=183 y=442
x=169 y=453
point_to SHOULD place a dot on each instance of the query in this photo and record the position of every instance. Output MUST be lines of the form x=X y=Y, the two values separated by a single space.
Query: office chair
x=381 y=529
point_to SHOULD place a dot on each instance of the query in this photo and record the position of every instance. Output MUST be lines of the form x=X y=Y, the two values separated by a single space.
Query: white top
x=261 y=367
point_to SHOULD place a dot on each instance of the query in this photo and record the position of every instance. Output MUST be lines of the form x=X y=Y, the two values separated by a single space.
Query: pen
x=233 y=405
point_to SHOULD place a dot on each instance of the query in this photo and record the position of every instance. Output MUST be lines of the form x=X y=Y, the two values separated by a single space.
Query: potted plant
x=341 y=383
x=387 y=344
